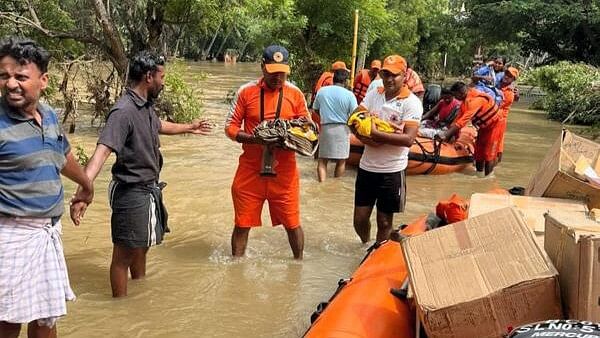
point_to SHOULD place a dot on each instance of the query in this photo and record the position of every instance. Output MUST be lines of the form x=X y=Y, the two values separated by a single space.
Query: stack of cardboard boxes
x=517 y=259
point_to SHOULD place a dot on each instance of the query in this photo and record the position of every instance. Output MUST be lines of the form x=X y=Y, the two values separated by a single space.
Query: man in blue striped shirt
x=34 y=284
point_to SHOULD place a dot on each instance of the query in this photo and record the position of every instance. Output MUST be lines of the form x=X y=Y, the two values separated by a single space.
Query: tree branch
x=21 y=20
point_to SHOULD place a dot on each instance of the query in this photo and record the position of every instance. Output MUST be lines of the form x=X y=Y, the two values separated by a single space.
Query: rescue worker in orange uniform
x=269 y=97
x=414 y=83
x=326 y=79
x=508 y=90
x=481 y=109
x=412 y=80
x=364 y=79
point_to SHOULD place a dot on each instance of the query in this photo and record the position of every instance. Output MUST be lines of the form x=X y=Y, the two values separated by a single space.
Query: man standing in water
x=334 y=104
x=131 y=132
x=268 y=98
x=381 y=179
x=507 y=87
x=34 y=283
x=481 y=109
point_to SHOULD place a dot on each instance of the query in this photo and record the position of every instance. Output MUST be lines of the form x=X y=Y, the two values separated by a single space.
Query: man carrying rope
x=269 y=98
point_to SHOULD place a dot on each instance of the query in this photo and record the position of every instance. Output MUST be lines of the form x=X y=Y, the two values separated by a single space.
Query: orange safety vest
x=325 y=80
x=361 y=84
x=486 y=115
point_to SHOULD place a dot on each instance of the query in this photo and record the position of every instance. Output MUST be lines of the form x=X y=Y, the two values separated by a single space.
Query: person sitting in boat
x=440 y=116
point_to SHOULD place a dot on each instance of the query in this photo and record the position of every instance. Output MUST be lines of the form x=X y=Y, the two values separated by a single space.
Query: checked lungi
x=34 y=283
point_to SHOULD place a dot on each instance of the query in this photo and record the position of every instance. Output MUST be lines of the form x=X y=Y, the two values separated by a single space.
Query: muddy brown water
x=193 y=288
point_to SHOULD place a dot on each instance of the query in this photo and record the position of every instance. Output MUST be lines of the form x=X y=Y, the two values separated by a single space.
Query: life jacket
x=485 y=116
x=326 y=79
x=363 y=80
x=452 y=210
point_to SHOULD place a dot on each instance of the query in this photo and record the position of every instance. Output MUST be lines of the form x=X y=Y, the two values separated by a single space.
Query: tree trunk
x=362 y=53
x=113 y=45
x=243 y=49
x=223 y=43
x=180 y=37
x=206 y=51
x=155 y=13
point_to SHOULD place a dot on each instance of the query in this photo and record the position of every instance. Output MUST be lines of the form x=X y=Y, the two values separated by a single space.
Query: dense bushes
x=178 y=102
x=572 y=91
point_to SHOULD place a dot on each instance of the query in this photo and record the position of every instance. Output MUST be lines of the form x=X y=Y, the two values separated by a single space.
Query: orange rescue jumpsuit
x=509 y=98
x=482 y=110
x=249 y=190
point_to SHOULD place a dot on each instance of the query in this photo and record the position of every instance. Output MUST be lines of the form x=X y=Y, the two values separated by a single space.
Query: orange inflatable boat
x=363 y=305
x=430 y=157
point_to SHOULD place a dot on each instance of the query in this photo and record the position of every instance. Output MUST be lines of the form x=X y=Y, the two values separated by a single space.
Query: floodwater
x=193 y=288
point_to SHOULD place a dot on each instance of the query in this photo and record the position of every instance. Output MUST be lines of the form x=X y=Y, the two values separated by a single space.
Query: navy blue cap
x=275 y=58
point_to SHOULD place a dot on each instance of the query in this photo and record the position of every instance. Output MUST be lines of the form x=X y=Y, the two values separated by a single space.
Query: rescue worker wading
x=268 y=98
x=481 y=109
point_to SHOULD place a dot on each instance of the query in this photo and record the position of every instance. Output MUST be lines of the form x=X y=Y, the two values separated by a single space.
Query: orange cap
x=513 y=71
x=376 y=64
x=394 y=64
x=339 y=65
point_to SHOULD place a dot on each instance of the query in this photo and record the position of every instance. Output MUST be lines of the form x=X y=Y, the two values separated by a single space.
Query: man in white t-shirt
x=381 y=180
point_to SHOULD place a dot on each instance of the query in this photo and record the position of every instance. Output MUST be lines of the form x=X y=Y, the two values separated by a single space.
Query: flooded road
x=193 y=288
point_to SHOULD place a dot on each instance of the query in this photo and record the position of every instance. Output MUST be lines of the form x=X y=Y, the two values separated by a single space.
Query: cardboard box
x=532 y=208
x=478 y=277
x=573 y=244
x=555 y=175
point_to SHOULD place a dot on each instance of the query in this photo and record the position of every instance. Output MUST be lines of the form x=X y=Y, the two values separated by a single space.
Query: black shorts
x=388 y=190
x=138 y=217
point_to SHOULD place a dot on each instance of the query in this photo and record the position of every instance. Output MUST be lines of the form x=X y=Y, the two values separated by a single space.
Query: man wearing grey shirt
x=131 y=132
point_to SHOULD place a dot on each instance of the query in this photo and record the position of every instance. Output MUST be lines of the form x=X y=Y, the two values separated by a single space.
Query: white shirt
x=375 y=84
x=388 y=158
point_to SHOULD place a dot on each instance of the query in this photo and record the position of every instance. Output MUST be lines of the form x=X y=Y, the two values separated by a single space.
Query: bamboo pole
x=354 y=43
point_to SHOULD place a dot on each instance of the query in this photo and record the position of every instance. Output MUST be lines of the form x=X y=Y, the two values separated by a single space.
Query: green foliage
x=566 y=30
x=328 y=34
x=571 y=91
x=53 y=85
x=81 y=155
x=178 y=102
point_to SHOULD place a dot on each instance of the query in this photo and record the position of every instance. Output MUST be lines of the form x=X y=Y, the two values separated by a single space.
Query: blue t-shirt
x=335 y=104
x=499 y=77
x=491 y=91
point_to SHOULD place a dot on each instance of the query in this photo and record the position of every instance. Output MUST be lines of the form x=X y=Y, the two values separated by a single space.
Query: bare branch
x=22 y=20
x=33 y=13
